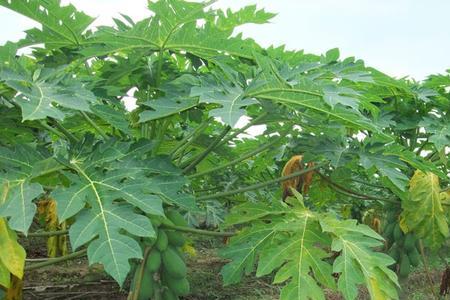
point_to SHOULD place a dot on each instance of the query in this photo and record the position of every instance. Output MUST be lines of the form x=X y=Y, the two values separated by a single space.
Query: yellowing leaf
x=445 y=197
x=403 y=225
x=375 y=290
x=12 y=255
x=422 y=209
x=189 y=249
x=4 y=275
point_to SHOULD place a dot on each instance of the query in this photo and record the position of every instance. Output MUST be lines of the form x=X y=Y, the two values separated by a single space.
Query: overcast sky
x=399 y=37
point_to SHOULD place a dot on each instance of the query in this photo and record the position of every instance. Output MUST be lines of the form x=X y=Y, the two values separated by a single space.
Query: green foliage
x=62 y=26
x=295 y=242
x=117 y=175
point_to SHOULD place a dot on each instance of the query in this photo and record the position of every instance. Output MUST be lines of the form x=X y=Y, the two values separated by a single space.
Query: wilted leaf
x=12 y=255
x=422 y=209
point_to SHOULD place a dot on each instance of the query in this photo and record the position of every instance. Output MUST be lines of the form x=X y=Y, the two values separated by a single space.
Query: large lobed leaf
x=173 y=27
x=231 y=99
x=108 y=183
x=42 y=98
x=358 y=263
x=294 y=243
x=12 y=255
x=17 y=190
x=300 y=92
x=422 y=209
x=62 y=26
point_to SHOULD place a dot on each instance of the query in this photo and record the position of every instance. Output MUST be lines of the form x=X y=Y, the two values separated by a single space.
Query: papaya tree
x=126 y=182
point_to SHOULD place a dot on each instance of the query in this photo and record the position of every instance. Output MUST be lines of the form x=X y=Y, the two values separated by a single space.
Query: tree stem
x=261 y=184
x=239 y=159
x=198 y=231
x=94 y=125
x=189 y=139
x=67 y=133
x=352 y=193
x=168 y=226
x=47 y=233
x=56 y=260
x=51 y=129
x=427 y=270
x=159 y=67
x=137 y=287
x=160 y=136
x=210 y=148
x=369 y=184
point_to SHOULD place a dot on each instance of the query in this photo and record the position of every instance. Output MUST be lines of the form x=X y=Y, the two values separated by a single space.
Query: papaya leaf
x=168 y=187
x=19 y=206
x=62 y=26
x=15 y=184
x=439 y=130
x=301 y=259
x=412 y=159
x=104 y=219
x=293 y=243
x=389 y=166
x=340 y=95
x=5 y=278
x=358 y=263
x=247 y=212
x=301 y=92
x=243 y=252
x=173 y=27
x=231 y=99
x=109 y=184
x=175 y=100
x=115 y=117
x=38 y=98
x=422 y=209
x=228 y=20
x=12 y=254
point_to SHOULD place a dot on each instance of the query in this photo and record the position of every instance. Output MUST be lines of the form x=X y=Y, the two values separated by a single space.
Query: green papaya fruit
x=391 y=217
x=156 y=223
x=179 y=287
x=398 y=234
x=410 y=241
x=176 y=218
x=162 y=241
x=414 y=257
x=175 y=238
x=153 y=261
x=169 y=295
x=173 y=263
x=394 y=252
x=388 y=231
x=147 y=287
x=149 y=242
x=405 y=266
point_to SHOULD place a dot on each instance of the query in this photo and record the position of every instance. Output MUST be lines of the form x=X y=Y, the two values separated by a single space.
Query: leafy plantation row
x=124 y=183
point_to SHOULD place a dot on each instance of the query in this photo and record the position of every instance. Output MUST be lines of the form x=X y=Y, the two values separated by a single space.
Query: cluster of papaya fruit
x=404 y=248
x=163 y=274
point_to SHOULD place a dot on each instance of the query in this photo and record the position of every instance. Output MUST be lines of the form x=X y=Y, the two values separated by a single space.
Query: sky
x=398 y=37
